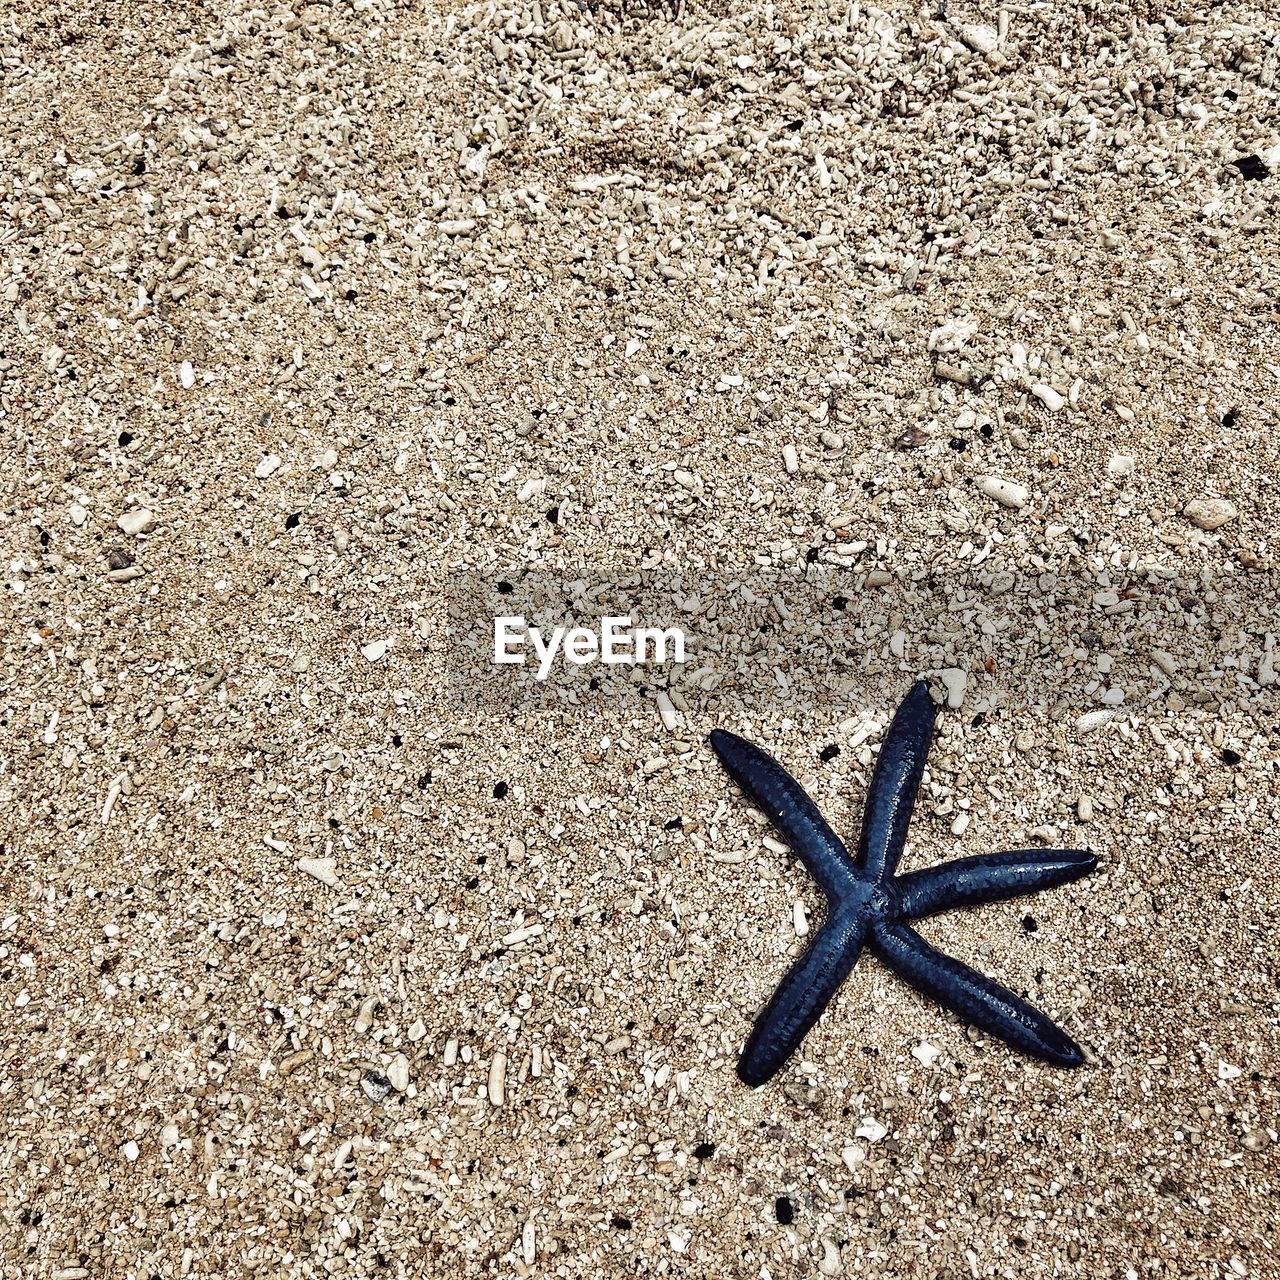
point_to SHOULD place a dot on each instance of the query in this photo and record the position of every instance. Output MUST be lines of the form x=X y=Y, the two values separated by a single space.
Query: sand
x=868 y=343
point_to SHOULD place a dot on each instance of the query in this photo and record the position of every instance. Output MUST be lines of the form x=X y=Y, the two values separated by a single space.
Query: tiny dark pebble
x=673 y=824
x=1230 y=418
x=1029 y=924
x=293 y=521
x=1229 y=756
x=118 y=558
x=500 y=791
x=505 y=588
x=829 y=752
x=424 y=780
x=554 y=515
x=1251 y=168
x=704 y=1151
x=621 y=1223
x=840 y=602
x=785 y=1210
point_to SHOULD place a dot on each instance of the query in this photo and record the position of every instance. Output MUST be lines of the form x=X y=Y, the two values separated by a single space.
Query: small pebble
x=979 y=38
x=1096 y=719
x=1209 y=513
x=1005 y=492
x=376 y=1086
x=666 y=710
x=926 y=1053
x=853 y=1155
x=871 y=1129
x=830 y=1264
x=1052 y=399
x=186 y=375
x=323 y=869
x=364 y=1015
x=267 y=466
x=956 y=682
x=497 y=1079
x=398 y=1073
x=291 y=1062
x=951 y=336
x=136 y=520
x=790 y=459
x=800 y=920
x=376 y=650
x=1267 y=668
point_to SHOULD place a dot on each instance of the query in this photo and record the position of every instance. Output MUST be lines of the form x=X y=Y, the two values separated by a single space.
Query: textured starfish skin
x=868 y=905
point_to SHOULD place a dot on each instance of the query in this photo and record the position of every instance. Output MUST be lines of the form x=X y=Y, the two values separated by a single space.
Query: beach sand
x=327 y=947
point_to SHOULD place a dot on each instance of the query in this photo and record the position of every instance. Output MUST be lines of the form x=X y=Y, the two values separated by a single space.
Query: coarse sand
x=867 y=342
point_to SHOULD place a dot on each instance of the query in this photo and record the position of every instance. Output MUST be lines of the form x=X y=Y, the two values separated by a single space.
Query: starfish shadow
x=870 y=906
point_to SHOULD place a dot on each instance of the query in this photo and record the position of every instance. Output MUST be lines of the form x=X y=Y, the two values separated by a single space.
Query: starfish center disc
x=884 y=900
x=866 y=898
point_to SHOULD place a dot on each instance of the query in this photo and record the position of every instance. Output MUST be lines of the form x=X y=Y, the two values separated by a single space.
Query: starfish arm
x=800 y=998
x=989 y=878
x=976 y=998
x=894 y=782
x=785 y=803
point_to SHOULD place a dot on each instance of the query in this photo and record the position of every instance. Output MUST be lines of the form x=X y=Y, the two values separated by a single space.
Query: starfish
x=868 y=905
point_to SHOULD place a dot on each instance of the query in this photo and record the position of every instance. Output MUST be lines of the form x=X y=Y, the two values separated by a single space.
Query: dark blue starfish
x=868 y=904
